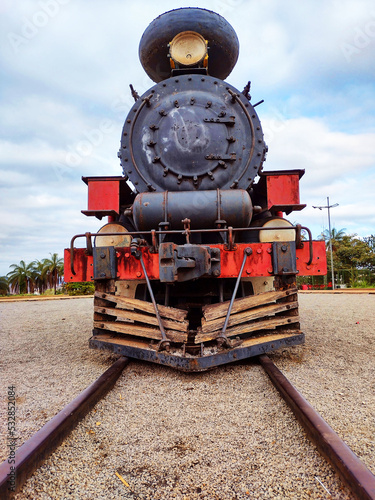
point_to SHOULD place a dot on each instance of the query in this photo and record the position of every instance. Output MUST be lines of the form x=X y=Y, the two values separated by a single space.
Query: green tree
x=4 y=286
x=370 y=240
x=53 y=269
x=40 y=274
x=21 y=277
x=353 y=252
x=336 y=237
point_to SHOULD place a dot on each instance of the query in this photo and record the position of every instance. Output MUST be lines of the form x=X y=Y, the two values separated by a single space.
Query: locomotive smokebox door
x=192 y=133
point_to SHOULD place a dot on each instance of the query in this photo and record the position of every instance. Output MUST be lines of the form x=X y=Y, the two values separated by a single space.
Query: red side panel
x=83 y=266
x=258 y=264
x=282 y=190
x=318 y=266
x=104 y=195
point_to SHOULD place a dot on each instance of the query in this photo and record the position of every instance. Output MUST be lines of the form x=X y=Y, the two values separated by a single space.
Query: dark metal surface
x=222 y=41
x=194 y=364
x=189 y=133
x=187 y=262
x=351 y=470
x=104 y=263
x=284 y=257
x=32 y=453
x=203 y=208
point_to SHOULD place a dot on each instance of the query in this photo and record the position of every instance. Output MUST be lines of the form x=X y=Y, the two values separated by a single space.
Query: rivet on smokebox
x=139 y=274
x=248 y=271
x=270 y=270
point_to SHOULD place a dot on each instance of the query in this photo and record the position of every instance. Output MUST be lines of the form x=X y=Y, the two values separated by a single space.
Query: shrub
x=81 y=288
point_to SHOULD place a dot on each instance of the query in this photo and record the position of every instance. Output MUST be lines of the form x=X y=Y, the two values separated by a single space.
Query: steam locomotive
x=197 y=265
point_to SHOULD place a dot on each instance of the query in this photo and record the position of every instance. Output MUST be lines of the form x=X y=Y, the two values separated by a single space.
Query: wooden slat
x=249 y=315
x=268 y=324
x=143 y=318
x=131 y=304
x=214 y=311
x=140 y=331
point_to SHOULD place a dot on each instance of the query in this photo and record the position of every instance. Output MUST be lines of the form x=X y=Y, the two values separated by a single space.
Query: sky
x=66 y=66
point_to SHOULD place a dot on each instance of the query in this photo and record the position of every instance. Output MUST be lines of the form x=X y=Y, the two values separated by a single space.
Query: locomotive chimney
x=188 y=40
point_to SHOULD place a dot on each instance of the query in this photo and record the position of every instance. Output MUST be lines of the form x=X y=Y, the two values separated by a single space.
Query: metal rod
x=183 y=231
x=350 y=468
x=34 y=451
x=248 y=251
x=330 y=244
x=165 y=340
x=330 y=236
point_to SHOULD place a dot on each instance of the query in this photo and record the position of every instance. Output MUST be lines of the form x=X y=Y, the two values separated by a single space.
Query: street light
x=328 y=206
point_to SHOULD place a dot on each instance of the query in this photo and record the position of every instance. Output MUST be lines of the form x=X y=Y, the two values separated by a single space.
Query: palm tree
x=21 y=277
x=4 y=286
x=54 y=269
x=335 y=234
x=336 y=237
x=39 y=273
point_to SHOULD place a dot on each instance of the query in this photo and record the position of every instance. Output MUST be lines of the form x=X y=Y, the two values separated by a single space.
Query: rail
x=352 y=471
x=34 y=451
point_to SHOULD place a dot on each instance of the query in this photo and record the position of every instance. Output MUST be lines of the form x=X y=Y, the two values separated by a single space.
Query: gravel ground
x=225 y=434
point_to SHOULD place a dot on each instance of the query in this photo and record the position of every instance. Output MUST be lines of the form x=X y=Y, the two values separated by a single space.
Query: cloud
x=65 y=96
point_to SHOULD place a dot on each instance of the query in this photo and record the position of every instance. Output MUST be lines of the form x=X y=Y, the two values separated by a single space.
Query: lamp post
x=328 y=206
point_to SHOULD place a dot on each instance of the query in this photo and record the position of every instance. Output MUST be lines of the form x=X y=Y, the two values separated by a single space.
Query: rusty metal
x=203 y=208
x=222 y=339
x=89 y=249
x=186 y=222
x=250 y=119
x=134 y=93
x=284 y=258
x=350 y=468
x=32 y=453
x=105 y=261
x=187 y=262
x=142 y=350
x=165 y=342
x=310 y=245
x=176 y=158
x=128 y=266
x=281 y=189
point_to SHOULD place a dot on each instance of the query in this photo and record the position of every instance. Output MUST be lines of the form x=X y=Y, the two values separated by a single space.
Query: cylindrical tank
x=222 y=41
x=203 y=208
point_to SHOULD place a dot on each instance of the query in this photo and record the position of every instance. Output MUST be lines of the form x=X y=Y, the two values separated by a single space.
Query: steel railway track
x=32 y=453
x=352 y=471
